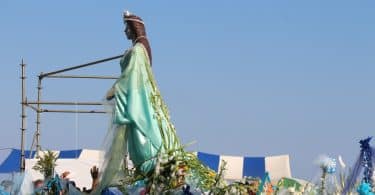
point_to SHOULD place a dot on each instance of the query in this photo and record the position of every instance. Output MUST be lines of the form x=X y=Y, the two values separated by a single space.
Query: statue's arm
x=111 y=92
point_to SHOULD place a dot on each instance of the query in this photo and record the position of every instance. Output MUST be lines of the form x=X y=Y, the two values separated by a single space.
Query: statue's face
x=129 y=33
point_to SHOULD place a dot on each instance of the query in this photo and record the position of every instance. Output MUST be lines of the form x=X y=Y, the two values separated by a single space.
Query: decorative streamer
x=367 y=161
x=351 y=180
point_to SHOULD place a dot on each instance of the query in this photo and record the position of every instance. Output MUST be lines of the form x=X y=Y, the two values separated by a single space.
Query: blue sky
x=251 y=78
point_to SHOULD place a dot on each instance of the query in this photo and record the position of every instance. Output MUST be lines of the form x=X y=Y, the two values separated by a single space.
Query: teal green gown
x=140 y=110
x=141 y=124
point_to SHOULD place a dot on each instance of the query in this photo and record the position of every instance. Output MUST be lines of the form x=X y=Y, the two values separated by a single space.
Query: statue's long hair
x=139 y=30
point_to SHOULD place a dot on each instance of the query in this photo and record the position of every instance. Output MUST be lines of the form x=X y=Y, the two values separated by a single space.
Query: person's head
x=38 y=183
x=65 y=175
x=135 y=30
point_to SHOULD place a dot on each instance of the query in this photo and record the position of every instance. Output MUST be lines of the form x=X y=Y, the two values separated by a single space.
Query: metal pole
x=66 y=103
x=81 y=77
x=75 y=111
x=37 y=136
x=81 y=66
x=23 y=117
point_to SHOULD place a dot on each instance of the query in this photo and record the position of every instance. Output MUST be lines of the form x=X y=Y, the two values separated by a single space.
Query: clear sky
x=250 y=78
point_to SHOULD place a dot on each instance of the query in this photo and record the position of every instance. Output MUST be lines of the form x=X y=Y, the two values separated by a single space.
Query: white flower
x=342 y=164
x=157 y=169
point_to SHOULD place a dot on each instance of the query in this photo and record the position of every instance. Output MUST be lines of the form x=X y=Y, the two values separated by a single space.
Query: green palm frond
x=46 y=163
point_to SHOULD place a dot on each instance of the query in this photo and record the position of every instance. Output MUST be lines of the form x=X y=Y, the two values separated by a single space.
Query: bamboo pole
x=65 y=103
x=81 y=66
x=81 y=77
x=75 y=111
x=23 y=116
x=37 y=136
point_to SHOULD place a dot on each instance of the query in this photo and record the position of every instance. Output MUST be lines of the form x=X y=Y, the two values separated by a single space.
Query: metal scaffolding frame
x=38 y=109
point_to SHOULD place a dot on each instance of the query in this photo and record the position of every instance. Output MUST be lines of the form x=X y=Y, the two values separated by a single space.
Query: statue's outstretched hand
x=110 y=94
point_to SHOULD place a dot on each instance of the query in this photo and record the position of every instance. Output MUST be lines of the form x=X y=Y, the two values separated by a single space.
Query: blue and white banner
x=238 y=167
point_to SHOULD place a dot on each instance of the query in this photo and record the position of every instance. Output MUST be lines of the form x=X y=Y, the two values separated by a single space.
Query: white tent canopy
x=79 y=163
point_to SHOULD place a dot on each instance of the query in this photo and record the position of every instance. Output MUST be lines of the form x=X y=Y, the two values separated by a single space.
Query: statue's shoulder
x=136 y=50
x=138 y=47
x=132 y=50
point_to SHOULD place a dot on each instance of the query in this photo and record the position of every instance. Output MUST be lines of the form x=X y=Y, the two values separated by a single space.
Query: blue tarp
x=210 y=160
x=70 y=154
x=254 y=167
x=12 y=162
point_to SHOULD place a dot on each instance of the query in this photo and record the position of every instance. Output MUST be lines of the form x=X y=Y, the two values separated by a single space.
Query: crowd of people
x=67 y=184
x=62 y=183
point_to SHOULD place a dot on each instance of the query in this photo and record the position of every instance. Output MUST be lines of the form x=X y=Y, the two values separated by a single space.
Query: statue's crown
x=127 y=16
